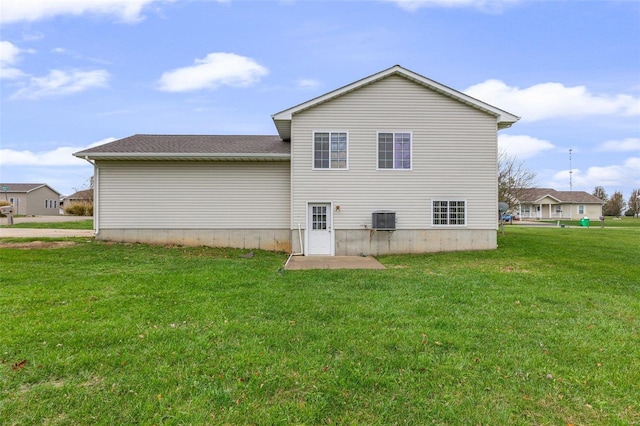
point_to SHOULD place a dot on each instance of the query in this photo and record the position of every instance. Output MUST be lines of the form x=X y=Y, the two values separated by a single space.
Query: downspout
x=96 y=181
x=301 y=246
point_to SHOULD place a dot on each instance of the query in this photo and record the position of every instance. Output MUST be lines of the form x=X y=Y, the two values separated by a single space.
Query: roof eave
x=182 y=156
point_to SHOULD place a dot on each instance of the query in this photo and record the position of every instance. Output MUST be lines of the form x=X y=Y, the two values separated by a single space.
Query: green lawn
x=609 y=222
x=544 y=330
x=76 y=224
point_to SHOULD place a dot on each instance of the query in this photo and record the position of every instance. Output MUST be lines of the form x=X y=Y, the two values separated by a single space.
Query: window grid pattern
x=330 y=150
x=319 y=217
x=449 y=212
x=394 y=150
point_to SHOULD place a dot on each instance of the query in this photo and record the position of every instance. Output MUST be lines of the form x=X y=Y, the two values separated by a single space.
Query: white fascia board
x=550 y=196
x=177 y=155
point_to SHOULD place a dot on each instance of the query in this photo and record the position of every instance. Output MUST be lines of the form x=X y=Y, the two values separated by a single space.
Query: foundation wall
x=348 y=242
x=262 y=239
x=371 y=242
x=356 y=242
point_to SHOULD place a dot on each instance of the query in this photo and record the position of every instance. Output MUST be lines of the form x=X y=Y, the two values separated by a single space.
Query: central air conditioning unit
x=383 y=220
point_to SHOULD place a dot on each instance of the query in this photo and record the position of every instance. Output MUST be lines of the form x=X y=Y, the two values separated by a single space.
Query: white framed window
x=50 y=204
x=449 y=213
x=394 y=150
x=558 y=208
x=580 y=209
x=330 y=150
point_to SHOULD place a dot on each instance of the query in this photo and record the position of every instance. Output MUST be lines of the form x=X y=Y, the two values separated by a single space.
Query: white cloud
x=214 y=70
x=552 y=100
x=61 y=156
x=129 y=11
x=307 y=83
x=626 y=174
x=9 y=55
x=58 y=83
x=484 y=5
x=522 y=146
x=624 y=145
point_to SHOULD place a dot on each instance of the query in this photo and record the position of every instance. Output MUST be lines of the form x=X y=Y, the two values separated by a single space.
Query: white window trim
x=378 y=150
x=584 y=209
x=313 y=158
x=466 y=212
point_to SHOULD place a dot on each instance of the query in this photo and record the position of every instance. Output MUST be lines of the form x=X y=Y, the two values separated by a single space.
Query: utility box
x=8 y=212
x=383 y=220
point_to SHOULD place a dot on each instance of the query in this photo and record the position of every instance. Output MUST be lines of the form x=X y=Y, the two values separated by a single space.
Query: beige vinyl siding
x=454 y=149
x=592 y=211
x=193 y=195
x=32 y=202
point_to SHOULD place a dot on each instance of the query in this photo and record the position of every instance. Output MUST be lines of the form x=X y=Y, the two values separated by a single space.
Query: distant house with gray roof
x=547 y=203
x=392 y=163
x=32 y=199
x=82 y=196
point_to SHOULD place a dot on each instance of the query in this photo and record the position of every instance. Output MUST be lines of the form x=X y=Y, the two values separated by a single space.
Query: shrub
x=630 y=213
x=79 y=208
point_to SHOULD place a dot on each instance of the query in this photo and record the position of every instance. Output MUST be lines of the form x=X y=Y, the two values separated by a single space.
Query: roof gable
x=26 y=187
x=282 y=119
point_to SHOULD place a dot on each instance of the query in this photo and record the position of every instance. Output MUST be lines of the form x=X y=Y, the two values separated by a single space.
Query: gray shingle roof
x=531 y=195
x=22 y=187
x=193 y=145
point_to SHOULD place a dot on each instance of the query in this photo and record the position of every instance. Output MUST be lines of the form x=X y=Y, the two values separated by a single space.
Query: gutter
x=168 y=155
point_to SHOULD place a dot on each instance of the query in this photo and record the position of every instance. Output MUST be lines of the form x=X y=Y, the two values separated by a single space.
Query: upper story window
x=330 y=150
x=394 y=150
x=449 y=212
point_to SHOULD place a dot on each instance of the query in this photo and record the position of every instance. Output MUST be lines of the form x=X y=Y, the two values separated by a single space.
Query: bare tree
x=599 y=192
x=634 y=202
x=614 y=206
x=513 y=178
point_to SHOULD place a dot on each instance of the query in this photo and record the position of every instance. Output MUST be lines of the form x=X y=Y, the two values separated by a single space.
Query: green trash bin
x=584 y=221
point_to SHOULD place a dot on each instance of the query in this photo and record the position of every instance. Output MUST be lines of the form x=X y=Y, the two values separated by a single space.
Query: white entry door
x=319 y=230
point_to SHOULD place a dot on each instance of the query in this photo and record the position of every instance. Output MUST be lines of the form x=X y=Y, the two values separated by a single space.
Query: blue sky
x=75 y=73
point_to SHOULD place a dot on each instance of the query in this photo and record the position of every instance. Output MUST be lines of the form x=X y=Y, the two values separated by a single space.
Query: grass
x=76 y=224
x=544 y=330
x=609 y=222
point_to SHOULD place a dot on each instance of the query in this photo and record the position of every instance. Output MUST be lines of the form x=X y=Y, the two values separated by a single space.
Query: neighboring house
x=31 y=198
x=547 y=203
x=86 y=195
x=392 y=163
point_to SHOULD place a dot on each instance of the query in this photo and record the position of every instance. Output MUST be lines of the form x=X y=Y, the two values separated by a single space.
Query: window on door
x=319 y=217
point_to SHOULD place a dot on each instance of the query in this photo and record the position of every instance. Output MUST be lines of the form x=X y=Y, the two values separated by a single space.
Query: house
x=83 y=196
x=31 y=198
x=547 y=203
x=392 y=163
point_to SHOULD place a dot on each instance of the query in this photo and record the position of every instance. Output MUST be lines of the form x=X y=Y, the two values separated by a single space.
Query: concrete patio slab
x=332 y=262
